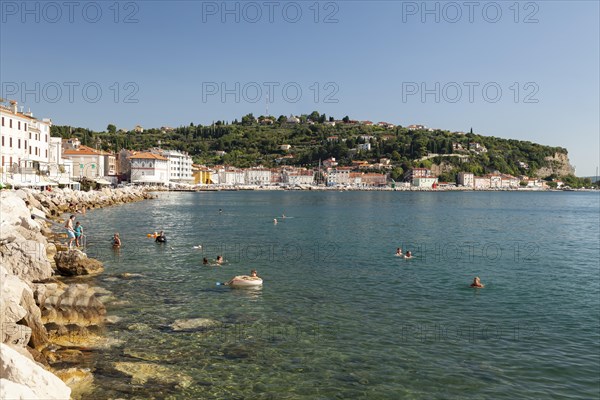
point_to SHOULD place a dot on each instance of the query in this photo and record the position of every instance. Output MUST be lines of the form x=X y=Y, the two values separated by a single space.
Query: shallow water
x=339 y=316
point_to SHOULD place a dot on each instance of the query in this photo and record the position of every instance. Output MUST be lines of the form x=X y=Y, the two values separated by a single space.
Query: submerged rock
x=143 y=372
x=193 y=324
x=138 y=326
x=79 y=380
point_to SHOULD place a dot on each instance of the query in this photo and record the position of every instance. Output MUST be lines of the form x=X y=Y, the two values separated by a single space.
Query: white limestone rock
x=20 y=370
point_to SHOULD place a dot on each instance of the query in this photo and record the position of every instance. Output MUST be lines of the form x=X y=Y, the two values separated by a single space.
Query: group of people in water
x=219 y=261
x=159 y=237
x=399 y=253
x=476 y=281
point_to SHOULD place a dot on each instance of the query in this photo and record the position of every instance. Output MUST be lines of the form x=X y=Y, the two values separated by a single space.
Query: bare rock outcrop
x=558 y=164
x=75 y=263
x=25 y=373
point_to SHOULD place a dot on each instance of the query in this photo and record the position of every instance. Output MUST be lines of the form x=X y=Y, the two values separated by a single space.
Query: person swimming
x=408 y=254
x=274 y=221
x=477 y=283
x=220 y=260
x=205 y=261
x=161 y=238
x=399 y=252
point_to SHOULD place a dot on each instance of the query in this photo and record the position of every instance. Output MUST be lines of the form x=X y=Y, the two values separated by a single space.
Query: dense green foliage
x=257 y=142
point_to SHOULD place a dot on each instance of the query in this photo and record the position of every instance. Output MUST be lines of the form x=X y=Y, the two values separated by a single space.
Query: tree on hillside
x=314 y=116
x=111 y=128
x=248 y=119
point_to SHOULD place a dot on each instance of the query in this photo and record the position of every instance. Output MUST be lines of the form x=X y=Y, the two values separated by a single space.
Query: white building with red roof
x=149 y=169
x=87 y=162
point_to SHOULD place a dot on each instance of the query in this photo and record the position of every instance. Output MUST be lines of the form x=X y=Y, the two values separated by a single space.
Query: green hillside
x=250 y=143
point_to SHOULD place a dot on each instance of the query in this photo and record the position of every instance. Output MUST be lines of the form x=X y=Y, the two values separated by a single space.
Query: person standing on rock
x=70 y=230
x=78 y=233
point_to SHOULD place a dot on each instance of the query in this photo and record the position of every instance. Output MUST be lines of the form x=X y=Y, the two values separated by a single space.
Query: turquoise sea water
x=339 y=316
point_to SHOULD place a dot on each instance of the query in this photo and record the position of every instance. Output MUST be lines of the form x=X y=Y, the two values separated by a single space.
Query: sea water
x=339 y=315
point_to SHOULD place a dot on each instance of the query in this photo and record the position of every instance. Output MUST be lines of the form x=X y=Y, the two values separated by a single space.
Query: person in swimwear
x=116 y=240
x=477 y=283
x=253 y=276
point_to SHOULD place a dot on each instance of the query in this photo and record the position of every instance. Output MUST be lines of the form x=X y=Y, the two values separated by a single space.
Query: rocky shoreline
x=45 y=322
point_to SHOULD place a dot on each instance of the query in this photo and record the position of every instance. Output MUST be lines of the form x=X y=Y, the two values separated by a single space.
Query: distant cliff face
x=558 y=164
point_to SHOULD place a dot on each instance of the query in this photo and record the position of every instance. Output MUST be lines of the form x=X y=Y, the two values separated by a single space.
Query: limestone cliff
x=558 y=164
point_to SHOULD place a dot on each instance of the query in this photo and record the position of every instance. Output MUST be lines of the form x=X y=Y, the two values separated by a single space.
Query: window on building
x=2 y=121
x=10 y=123
x=25 y=125
x=18 y=143
x=19 y=125
x=10 y=143
x=2 y=140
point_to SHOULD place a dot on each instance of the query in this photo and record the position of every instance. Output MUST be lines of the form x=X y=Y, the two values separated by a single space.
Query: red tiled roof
x=82 y=151
x=150 y=156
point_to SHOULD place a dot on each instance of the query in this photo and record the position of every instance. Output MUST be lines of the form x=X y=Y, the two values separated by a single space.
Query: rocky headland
x=46 y=323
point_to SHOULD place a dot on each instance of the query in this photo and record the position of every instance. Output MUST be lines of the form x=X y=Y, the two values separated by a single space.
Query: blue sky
x=526 y=70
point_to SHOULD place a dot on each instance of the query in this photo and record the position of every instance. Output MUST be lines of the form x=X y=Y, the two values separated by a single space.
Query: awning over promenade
x=27 y=180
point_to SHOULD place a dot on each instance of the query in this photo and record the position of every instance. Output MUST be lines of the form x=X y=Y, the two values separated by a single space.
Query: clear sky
x=521 y=70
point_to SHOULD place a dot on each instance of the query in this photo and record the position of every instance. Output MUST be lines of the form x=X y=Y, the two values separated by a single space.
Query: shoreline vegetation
x=47 y=320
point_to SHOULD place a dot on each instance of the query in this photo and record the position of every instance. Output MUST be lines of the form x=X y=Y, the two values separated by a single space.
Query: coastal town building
x=149 y=169
x=413 y=173
x=60 y=170
x=338 y=176
x=481 y=182
x=180 y=165
x=124 y=165
x=87 y=162
x=374 y=180
x=330 y=163
x=425 y=181
x=258 y=176
x=202 y=174
x=24 y=141
x=477 y=148
x=231 y=176
x=466 y=179
x=298 y=176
